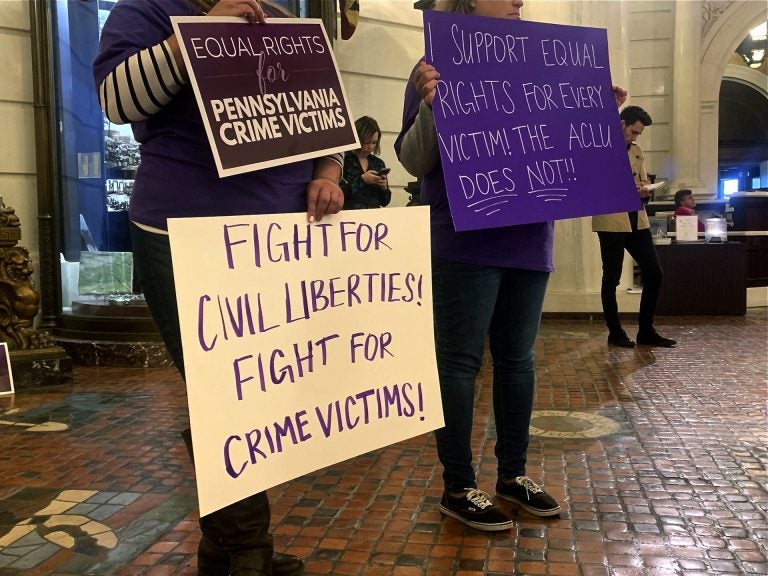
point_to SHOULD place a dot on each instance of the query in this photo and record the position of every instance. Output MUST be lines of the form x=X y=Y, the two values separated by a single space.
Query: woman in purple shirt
x=490 y=282
x=485 y=282
x=141 y=79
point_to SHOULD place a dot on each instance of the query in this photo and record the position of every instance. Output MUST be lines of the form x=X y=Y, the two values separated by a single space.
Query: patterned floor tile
x=658 y=457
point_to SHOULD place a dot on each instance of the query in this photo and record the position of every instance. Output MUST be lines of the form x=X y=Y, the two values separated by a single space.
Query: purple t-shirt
x=177 y=175
x=527 y=246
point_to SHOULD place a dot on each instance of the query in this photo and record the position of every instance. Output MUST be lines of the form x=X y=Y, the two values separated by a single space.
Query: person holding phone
x=365 y=174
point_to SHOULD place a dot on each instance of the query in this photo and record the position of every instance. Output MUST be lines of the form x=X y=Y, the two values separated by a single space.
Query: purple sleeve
x=134 y=25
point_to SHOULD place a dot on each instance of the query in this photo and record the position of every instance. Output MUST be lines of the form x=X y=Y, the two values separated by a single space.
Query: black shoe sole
x=535 y=511
x=288 y=569
x=656 y=343
x=483 y=527
x=624 y=344
x=284 y=567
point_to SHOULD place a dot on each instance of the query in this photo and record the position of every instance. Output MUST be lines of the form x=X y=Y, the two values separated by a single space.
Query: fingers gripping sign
x=324 y=196
x=251 y=10
x=425 y=79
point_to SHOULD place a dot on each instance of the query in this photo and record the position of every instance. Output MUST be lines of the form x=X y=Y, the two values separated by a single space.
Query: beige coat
x=619 y=222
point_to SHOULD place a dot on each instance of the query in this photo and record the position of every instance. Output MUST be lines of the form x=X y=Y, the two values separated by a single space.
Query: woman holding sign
x=141 y=79
x=489 y=281
x=485 y=282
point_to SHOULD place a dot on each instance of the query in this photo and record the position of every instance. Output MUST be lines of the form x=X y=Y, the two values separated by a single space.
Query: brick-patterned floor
x=657 y=455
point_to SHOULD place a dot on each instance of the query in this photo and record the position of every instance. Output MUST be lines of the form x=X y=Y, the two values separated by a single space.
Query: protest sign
x=527 y=124
x=6 y=372
x=268 y=94
x=304 y=344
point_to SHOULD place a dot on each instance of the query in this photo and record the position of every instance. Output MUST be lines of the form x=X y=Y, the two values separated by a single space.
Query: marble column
x=575 y=285
x=613 y=16
x=686 y=100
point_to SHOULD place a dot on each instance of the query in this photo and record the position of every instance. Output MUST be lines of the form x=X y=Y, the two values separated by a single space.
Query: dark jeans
x=247 y=520
x=640 y=246
x=152 y=260
x=471 y=301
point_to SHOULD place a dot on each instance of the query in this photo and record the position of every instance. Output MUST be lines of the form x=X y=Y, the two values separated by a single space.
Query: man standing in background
x=630 y=231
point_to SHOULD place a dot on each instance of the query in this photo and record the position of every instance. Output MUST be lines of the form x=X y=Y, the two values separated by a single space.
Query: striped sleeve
x=141 y=85
x=338 y=158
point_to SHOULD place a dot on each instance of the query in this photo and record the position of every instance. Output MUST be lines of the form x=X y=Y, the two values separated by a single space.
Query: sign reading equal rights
x=268 y=94
x=304 y=344
x=527 y=124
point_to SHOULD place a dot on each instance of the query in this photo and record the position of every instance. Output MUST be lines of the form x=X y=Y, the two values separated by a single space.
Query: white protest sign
x=304 y=344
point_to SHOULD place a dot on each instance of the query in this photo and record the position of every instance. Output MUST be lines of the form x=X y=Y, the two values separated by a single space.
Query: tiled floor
x=658 y=456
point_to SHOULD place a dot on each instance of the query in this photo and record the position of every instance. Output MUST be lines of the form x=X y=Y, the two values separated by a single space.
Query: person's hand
x=425 y=79
x=644 y=192
x=372 y=178
x=324 y=196
x=620 y=95
x=249 y=9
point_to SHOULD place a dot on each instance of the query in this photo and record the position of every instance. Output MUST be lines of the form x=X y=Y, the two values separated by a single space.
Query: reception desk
x=703 y=278
x=750 y=219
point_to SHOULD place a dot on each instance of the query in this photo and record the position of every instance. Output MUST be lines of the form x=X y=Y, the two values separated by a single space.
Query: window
x=86 y=167
x=730 y=186
x=97 y=162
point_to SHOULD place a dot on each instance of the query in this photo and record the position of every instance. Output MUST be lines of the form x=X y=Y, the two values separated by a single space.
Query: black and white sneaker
x=529 y=495
x=476 y=510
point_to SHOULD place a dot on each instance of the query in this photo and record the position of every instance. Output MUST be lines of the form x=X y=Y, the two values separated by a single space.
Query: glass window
x=97 y=163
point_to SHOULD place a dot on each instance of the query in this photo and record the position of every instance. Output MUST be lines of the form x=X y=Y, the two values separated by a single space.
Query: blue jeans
x=243 y=525
x=154 y=268
x=471 y=301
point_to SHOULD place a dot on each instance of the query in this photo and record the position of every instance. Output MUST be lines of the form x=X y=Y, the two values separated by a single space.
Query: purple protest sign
x=268 y=94
x=527 y=124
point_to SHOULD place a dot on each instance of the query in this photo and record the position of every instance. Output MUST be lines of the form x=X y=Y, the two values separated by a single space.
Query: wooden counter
x=703 y=278
x=750 y=217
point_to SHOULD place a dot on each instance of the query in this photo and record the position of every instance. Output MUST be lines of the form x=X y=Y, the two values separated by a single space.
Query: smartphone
x=384 y=171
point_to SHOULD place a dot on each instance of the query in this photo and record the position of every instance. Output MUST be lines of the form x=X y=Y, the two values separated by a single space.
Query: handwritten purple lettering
x=272 y=244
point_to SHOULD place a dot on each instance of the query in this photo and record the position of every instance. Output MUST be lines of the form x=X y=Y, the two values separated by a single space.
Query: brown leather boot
x=213 y=555
x=242 y=530
x=213 y=560
x=286 y=565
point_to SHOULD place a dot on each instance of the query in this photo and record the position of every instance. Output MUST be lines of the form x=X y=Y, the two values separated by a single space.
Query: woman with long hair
x=365 y=174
